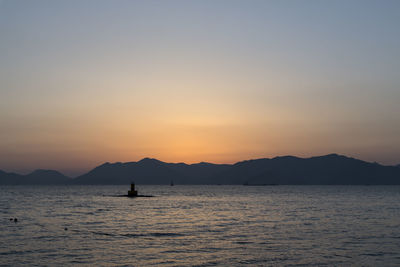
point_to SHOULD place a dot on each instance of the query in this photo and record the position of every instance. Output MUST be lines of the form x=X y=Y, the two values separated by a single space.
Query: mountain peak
x=203 y=163
x=334 y=155
x=144 y=160
x=286 y=157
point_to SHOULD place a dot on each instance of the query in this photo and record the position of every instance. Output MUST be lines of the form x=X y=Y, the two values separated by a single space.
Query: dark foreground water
x=201 y=225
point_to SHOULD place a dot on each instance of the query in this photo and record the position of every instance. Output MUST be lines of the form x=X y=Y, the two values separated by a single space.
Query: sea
x=198 y=225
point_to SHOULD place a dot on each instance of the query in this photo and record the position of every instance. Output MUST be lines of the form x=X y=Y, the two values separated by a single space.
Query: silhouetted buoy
x=11 y=219
x=66 y=229
x=132 y=192
x=15 y=220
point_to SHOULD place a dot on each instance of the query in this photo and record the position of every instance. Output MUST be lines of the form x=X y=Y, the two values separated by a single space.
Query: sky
x=88 y=82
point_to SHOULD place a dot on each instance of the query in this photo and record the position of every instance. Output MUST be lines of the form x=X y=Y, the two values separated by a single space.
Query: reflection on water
x=200 y=225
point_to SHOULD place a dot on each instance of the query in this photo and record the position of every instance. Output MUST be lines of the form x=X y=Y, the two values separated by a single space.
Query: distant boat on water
x=172 y=183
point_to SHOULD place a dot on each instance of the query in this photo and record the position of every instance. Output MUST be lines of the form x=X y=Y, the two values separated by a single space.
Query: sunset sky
x=85 y=82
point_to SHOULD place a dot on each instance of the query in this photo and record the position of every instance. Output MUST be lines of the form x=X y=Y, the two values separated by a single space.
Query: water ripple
x=201 y=226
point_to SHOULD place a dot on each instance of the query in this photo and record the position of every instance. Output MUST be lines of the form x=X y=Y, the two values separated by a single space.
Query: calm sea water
x=200 y=226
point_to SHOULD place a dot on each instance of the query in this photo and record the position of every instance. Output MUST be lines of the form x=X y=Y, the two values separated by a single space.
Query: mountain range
x=330 y=169
x=39 y=177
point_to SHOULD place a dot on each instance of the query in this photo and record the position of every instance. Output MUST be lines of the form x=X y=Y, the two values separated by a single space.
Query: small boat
x=172 y=183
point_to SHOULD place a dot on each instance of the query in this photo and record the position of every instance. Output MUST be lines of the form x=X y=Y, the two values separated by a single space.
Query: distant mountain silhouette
x=324 y=170
x=151 y=171
x=145 y=171
x=9 y=178
x=331 y=169
x=39 y=177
